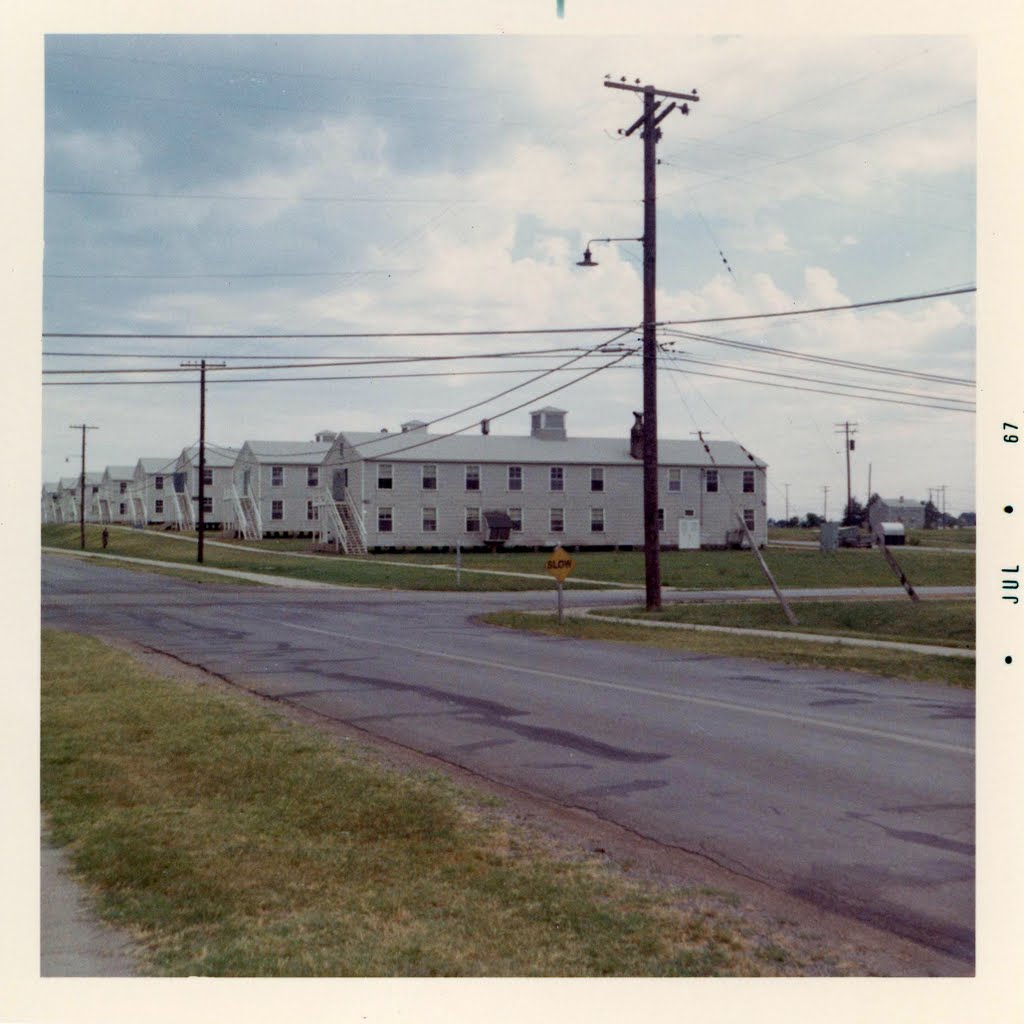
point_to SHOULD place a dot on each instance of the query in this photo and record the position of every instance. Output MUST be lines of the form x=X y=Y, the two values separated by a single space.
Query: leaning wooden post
x=764 y=566
x=894 y=565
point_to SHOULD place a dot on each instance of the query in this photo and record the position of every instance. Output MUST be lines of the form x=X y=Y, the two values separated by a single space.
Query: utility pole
x=201 y=518
x=824 y=511
x=649 y=121
x=787 y=502
x=849 y=429
x=81 y=504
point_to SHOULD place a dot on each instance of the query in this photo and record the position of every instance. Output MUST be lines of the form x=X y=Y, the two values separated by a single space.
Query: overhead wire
x=829 y=360
x=497 y=332
x=818 y=380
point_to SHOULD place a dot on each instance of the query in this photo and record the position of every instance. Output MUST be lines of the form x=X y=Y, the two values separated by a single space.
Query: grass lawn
x=352 y=572
x=887 y=663
x=232 y=841
x=947 y=623
x=691 y=570
x=963 y=537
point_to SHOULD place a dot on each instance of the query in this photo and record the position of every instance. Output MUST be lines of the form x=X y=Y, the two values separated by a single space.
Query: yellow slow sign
x=560 y=564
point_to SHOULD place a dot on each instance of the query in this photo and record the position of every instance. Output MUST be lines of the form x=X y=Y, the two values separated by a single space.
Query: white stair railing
x=357 y=519
x=331 y=520
x=253 y=507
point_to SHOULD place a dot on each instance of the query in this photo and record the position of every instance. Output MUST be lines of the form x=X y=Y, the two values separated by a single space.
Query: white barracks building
x=419 y=490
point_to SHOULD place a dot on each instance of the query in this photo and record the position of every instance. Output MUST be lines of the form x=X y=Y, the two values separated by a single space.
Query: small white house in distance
x=152 y=491
x=50 y=511
x=417 y=490
x=902 y=510
x=114 y=494
x=71 y=497
x=218 y=463
x=67 y=498
x=276 y=487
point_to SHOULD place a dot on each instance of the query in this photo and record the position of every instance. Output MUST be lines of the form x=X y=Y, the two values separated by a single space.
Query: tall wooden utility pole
x=649 y=121
x=848 y=429
x=81 y=494
x=201 y=517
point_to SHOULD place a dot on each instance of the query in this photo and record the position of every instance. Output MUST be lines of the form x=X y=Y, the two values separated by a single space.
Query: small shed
x=892 y=533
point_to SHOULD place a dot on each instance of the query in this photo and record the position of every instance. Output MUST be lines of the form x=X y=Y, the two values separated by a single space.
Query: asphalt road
x=854 y=792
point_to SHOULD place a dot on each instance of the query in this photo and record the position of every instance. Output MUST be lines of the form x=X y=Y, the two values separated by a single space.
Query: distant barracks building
x=356 y=492
x=418 y=490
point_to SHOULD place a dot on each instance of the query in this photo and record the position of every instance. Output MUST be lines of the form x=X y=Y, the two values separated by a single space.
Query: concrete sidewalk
x=73 y=942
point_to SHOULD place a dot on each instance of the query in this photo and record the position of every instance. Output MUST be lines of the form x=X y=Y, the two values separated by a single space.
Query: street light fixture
x=589 y=261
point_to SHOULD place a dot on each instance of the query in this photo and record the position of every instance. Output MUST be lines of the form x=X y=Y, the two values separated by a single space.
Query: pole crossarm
x=692 y=97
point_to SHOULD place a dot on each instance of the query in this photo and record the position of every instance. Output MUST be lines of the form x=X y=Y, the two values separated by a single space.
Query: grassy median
x=688 y=570
x=233 y=841
x=891 y=664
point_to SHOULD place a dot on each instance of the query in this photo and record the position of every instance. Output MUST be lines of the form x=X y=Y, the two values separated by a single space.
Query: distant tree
x=932 y=516
x=855 y=514
x=792 y=522
x=811 y=520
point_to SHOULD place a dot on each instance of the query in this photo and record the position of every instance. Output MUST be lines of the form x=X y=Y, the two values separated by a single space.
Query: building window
x=312 y=476
x=122 y=487
x=675 y=481
x=277 y=510
x=472 y=478
x=384 y=478
x=158 y=483
x=557 y=520
x=688 y=512
x=711 y=481
x=516 y=515
x=429 y=478
x=385 y=519
x=158 y=506
x=515 y=478
x=430 y=520
x=597 y=478
x=597 y=520
x=277 y=476
x=472 y=520
x=207 y=504
x=122 y=509
x=312 y=512
x=557 y=478
x=748 y=518
x=661 y=519
x=748 y=481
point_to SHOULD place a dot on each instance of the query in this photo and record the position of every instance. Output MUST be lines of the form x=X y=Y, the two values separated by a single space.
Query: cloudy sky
x=446 y=185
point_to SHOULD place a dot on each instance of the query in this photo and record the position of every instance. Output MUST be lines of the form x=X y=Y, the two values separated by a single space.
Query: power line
x=353 y=361
x=818 y=380
x=820 y=391
x=288 y=380
x=495 y=332
x=382 y=200
x=846 y=363
x=225 y=277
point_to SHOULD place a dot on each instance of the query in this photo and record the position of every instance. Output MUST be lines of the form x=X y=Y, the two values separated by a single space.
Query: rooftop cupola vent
x=548 y=424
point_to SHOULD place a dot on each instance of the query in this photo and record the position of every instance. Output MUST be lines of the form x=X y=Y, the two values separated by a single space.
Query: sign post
x=560 y=564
